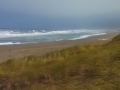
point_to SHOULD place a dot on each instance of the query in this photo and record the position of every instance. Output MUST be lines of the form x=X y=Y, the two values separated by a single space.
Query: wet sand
x=23 y=50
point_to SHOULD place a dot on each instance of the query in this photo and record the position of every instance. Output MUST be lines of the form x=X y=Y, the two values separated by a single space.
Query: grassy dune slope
x=82 y=67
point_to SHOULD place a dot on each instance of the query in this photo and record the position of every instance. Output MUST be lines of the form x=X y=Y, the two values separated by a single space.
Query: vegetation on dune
x=82 y=67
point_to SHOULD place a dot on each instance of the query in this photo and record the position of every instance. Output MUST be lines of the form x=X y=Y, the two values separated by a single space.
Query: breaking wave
x=8 y=43
x=86 y=36
x=7 y=34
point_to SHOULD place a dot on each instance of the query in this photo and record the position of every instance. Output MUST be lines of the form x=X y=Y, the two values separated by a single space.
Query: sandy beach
x=23 y=50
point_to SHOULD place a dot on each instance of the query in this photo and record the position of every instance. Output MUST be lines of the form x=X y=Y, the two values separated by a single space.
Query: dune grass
x=82 y=67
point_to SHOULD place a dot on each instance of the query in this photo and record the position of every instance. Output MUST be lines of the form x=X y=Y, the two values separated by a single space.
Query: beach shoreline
x=40 y=48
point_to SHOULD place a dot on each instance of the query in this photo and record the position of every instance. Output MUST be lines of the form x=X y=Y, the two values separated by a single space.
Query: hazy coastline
x=40 y=48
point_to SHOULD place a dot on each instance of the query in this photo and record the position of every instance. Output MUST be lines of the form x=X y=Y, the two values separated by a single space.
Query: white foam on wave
x=7 y=34
x=9 y=43
x=81 y=37
x=86 y=36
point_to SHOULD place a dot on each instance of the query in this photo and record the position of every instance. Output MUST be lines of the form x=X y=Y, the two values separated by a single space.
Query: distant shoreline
x=23 y=50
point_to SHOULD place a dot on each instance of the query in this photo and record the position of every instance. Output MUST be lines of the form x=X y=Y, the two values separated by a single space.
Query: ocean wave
x=7 y=34
x=86 y=36
x=9 y=43
x=81 y=37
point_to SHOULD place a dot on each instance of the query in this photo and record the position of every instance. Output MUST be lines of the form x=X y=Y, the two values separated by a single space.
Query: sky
x=60 y=14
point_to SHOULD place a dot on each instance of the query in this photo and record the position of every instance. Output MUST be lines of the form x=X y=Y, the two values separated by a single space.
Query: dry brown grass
x=82 y=67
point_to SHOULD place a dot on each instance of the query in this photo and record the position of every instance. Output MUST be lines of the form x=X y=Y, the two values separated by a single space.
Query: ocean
x=21 y=36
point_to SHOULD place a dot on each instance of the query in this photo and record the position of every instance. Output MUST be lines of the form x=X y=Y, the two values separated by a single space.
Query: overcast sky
x=59 y=14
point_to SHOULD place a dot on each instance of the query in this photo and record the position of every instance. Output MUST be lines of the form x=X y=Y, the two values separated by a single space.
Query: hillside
x=82 y=67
